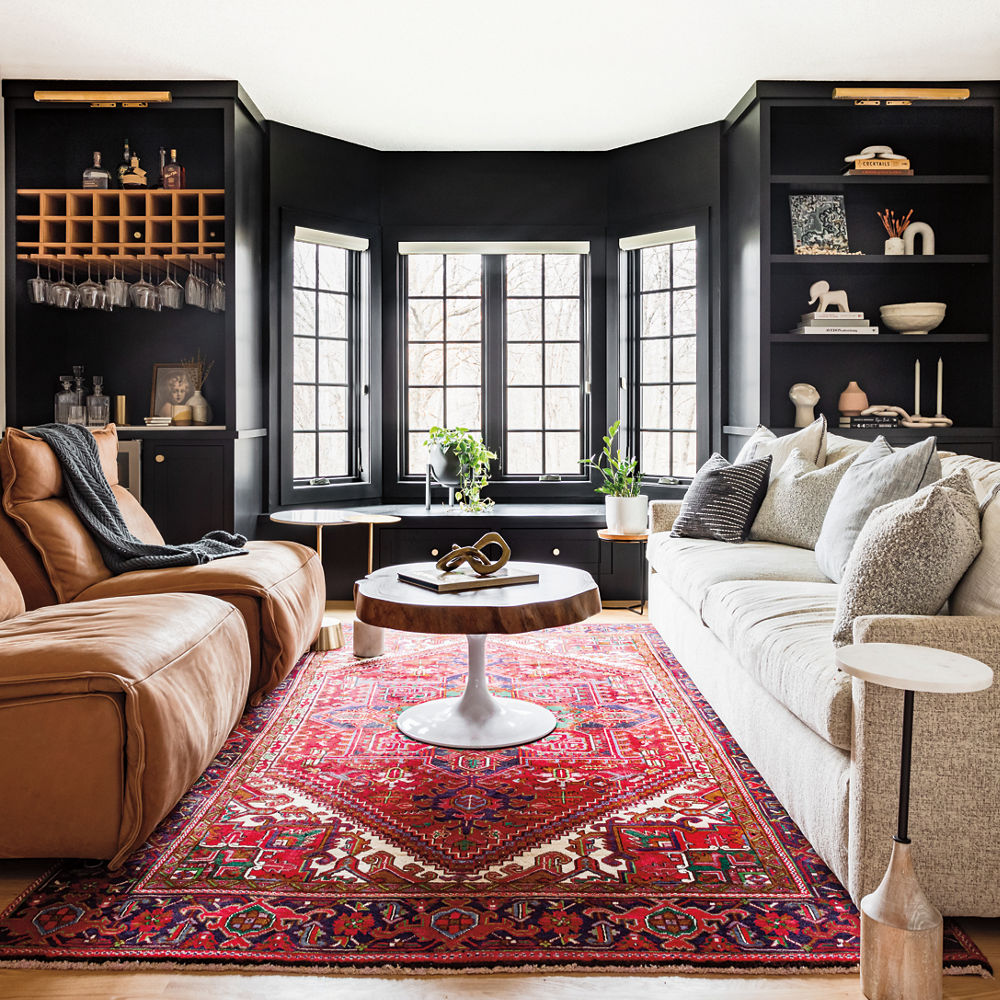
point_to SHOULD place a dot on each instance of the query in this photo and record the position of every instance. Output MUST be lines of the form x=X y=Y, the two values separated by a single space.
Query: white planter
x=626 y=515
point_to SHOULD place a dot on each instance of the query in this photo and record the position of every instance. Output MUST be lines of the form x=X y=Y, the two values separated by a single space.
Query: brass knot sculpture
x=473 y=555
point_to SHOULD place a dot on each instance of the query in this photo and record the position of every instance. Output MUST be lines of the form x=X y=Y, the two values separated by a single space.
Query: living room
x=518 y=494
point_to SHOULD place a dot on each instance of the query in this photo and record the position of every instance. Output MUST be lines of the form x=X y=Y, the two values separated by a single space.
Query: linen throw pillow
x=797 y=499
x=910 y=555
x=878 y=476
x=723 y=500
x=978 y=592
x=811 y=441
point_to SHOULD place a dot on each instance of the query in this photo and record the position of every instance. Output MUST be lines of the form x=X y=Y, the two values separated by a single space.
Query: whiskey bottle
x=174 y=175
x=96 y=176
x=163 y=163
x=125 y=163
x=135 y=176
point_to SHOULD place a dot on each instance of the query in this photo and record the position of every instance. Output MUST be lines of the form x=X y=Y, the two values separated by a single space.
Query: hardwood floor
x=99 y=984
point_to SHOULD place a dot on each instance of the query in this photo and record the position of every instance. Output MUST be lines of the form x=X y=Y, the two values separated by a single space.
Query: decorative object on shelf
x=901 y=930
x=895 y=245
x=913 y=318
x=625 y=510
x=98 y=405
x=819 y=223
x=96 y=176
x=876 y=417
x=852 y=400
x=68 y=407
x=473 y=458
x=921 y=229
x=201 y=412
x=173 y=387
x=121 y=410
x=134 y=176
x=877 y=160
x=172 y=175
x=444 y=469
x=916 y=420
x=819 y=292
x=475 y=556
x=123 y=166
x=805 y=397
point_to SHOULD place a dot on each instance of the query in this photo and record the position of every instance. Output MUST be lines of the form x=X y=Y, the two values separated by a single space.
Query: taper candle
x=916 y=388
x=940 y=379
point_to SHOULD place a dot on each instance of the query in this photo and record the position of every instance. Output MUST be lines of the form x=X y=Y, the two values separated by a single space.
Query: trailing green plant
x=474 y=464
x=618 y=469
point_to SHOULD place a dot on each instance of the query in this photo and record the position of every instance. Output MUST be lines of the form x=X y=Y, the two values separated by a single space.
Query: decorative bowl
x=913 y=317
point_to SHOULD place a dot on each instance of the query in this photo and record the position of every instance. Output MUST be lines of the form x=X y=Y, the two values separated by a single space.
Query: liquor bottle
x=174 y=175
x=65 y=400
x=96 y=176
x=135 y=176
x=163 y=163
x=98 y=405
x=126 y=162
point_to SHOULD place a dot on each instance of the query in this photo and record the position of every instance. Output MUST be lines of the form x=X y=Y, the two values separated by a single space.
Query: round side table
x=901 y=930
x=639 y=540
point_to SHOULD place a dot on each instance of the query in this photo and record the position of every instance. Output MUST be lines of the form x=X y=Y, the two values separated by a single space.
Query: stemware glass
x=64 y=293
x=217 y=293
x=143 y=293
x=37 y=286
x=117 y=288
x=92 y=293
x=195 y=290
x=171 y=292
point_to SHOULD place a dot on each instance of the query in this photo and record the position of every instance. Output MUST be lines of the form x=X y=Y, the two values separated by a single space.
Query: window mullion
x=494 y=366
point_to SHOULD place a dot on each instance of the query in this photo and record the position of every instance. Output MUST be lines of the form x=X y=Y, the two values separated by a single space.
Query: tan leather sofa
x=278 y=588
x=109 y=712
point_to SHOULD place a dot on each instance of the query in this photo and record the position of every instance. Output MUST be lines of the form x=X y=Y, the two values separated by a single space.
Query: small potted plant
x=458 y=449
x=625 y=510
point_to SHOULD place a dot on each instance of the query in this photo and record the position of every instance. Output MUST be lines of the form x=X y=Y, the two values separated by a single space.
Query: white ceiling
x=506 y=74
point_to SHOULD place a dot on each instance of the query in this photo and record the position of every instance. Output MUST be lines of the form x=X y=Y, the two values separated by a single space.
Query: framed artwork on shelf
x=173 y=387
x=819 y=223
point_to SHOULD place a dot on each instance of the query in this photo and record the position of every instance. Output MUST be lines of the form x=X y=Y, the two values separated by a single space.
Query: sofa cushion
x=985 y=475
x=978 y=592
x=34 y=497
x=811 y=441
x=797 y=500
x=878 y=476
x=692 y=565
x=11 y=601
x=723 y=500
x=781 y=634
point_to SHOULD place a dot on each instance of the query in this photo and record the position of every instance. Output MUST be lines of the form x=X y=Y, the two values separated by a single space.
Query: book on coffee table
x=447 y=582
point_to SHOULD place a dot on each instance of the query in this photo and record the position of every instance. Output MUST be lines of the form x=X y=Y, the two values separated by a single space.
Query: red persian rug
x=636 y=836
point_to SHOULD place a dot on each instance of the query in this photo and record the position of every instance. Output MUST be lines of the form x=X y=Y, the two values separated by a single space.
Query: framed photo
x=819 y=223
x=173 y=387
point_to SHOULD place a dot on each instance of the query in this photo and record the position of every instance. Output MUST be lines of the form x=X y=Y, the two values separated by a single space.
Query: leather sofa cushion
x=34 y=497
x=691 y=565
x=25 y=563
x=11 y=601
x=781 y=633
x=279 y=586
x=176 y=666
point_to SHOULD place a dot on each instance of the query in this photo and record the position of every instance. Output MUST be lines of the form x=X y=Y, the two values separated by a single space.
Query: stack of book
x=871 y=421
x=835 y=323
x=871 y=166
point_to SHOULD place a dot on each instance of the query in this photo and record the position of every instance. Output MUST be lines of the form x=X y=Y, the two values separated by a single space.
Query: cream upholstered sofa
x=752 y=624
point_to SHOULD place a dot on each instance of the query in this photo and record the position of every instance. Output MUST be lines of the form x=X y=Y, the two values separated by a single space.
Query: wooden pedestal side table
x=476 y=719
x=639 y=540
x=901 y=931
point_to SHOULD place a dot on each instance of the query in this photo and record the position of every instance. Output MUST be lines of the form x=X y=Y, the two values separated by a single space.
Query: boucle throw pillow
x=910 y=554
x=811 y=441
x=793 y=510
x=877 y=476
x=723 y=500
x=978 y=592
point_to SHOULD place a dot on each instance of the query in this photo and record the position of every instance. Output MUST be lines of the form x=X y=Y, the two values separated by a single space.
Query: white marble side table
x=902 y=933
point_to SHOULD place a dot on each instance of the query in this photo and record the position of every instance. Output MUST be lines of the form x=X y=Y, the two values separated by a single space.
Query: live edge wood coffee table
x=476 y=719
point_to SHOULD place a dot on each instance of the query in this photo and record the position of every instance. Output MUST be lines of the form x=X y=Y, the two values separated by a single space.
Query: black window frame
x=397 y=484
x=364 y=360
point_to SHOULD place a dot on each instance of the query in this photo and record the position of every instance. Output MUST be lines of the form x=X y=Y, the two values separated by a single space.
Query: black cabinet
x=185 y=486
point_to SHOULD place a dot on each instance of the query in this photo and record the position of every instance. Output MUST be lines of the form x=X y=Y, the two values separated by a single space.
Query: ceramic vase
x=626 y=515
x=894 y=246
x=201 y=412
x=852 y=401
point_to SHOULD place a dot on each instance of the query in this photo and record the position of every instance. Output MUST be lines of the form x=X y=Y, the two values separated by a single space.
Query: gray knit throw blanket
x=91 y=496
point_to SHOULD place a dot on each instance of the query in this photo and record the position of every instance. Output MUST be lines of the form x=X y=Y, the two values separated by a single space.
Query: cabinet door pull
x=555 y=552
x=161 y=458
x=434 y=552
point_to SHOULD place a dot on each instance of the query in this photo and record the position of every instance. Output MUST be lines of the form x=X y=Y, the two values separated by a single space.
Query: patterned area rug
x=637 y=835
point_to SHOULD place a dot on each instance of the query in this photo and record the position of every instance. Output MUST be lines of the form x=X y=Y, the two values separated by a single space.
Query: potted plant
x=457 y=446
x=625 y=511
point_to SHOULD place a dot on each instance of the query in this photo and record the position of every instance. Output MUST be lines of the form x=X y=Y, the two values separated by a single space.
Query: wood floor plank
x=101 y=984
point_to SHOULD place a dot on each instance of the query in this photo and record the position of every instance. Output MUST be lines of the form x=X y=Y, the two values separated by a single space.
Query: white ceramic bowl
x=913 y=317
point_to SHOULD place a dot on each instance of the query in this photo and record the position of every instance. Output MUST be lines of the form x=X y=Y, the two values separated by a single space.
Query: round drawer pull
x=555 y=552
x=161 y=458
x=434 y=552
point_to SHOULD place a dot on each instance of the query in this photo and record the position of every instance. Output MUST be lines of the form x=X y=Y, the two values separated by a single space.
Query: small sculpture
x=910 y=234
x=473 y=555
x=821 y=290
x=805 y=397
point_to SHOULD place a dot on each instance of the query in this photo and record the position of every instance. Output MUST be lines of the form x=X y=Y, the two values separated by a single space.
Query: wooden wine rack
x=102 y=224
